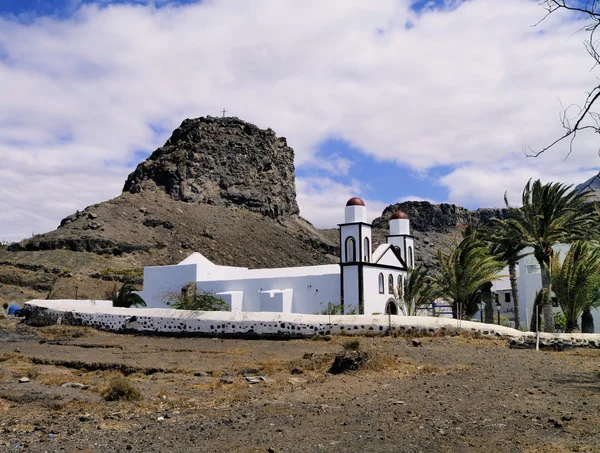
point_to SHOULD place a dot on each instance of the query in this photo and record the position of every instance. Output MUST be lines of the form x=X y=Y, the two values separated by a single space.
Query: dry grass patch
x=63 y=331
x=120 y=389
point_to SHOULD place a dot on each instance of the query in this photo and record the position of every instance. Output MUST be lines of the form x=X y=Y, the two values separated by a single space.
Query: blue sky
x=439 y=110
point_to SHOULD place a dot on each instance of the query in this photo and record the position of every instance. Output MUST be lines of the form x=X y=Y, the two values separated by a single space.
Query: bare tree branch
x=579 y=122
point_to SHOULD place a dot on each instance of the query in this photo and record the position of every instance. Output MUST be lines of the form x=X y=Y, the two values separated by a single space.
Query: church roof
x=399 y=215
x=355 y=201
x=197 y=258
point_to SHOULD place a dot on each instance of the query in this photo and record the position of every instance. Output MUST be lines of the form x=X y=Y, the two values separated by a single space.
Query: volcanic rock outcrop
x=441 y=218
x=222 y=162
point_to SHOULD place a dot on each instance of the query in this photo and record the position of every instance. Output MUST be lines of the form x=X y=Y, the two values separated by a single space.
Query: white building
x=530 y=282
x=363 y=282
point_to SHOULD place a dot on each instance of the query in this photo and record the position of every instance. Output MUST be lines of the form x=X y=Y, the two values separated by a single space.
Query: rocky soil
x=447 y=394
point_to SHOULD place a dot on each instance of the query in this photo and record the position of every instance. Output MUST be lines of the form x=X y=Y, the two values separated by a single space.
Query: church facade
x=364 y=282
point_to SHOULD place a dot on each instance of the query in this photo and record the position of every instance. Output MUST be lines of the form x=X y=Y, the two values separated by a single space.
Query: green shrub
x=560 y=321
x=191 y=299
x=336 y=309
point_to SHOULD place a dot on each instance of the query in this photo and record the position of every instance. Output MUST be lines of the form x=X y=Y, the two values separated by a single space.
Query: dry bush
x=352 y=345
x=121 y=389
x=64 y=331
x=429 y=369
x=380 y=362
x=32 y=373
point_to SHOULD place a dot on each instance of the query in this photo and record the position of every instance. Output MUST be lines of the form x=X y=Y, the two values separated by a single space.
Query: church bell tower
x=355 y=250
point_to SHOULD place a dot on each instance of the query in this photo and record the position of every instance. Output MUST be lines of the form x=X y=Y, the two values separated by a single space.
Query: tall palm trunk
x=514 y=291
x=547 y=299
x=587 y=321
x=486 y=298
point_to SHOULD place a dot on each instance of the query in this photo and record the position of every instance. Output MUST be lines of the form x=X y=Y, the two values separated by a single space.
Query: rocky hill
x=593 y=185
x=222 y=162
x=219 y=185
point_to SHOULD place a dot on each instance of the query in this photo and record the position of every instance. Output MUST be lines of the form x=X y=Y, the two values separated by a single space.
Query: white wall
x=375 y=302
x=311 y=293
x=351 y=290
x=160 y=280
x=530 y=281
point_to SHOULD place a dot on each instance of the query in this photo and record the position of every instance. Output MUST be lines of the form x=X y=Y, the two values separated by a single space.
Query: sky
x=390 y=100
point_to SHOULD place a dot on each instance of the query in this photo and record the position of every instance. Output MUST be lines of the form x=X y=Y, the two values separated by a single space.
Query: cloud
x=466 y=86
x=323 y=200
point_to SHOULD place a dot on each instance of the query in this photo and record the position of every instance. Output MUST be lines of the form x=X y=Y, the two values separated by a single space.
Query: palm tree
x=126 y=297
x=465 y=267
x=510 y=251
x=552 y=213
x=486 y=239
x=576 y=281
x=417 y=291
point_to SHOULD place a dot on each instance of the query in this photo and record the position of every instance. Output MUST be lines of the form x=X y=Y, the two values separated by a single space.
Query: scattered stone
x=201 y=374
x=75 y=385
x=297 y=370
x=226 y=380
x=160 y=419
x=24 y=379
x=17 y=350
x=254 y=379
x=416 y=343
x=249 y=372
x=85 y=417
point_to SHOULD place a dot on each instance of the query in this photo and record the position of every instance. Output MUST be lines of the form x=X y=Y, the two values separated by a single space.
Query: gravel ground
x=450 y=394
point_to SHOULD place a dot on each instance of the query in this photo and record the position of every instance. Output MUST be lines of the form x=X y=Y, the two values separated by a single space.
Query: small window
x=381 y=284
x=507 y=297
x=367 y=251
x=410 y=257
x=400 y=281
x=391 y=284
x=350 y=250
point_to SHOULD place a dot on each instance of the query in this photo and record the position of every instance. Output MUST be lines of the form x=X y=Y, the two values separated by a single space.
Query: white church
x=363 y=282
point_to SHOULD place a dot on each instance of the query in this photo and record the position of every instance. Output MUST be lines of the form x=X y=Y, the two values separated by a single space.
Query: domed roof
x=399 y=215
x=355 y=201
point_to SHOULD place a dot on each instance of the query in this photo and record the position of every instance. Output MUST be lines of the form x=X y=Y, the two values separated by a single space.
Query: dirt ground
x=451 y=394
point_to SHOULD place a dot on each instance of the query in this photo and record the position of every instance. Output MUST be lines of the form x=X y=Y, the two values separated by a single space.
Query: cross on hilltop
x=224 y=112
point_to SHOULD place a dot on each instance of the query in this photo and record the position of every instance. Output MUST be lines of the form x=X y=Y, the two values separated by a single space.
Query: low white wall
x=161 y=320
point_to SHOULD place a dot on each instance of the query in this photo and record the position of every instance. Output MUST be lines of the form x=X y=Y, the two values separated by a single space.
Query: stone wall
x=275 y=325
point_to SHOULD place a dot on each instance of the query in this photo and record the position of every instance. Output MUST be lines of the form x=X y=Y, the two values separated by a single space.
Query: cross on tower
x=224 y=112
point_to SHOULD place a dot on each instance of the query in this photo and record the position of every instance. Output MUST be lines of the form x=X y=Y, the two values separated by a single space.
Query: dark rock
x=223 y=162
x=349 y=361
x=249 y=372
x=425 y=216
x=297 y=370
x=201 y=374
x=416 y=343
x=226 y=380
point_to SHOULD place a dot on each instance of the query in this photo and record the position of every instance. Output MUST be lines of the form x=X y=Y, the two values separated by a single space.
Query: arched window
x=390 y=284
x=410 y=257
x=381 y=284
x=367 y=250
x=350 y=250
x=400 y=282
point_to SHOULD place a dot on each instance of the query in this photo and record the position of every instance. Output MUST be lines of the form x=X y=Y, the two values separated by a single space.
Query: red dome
x=399 y=215
x=355 y=201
